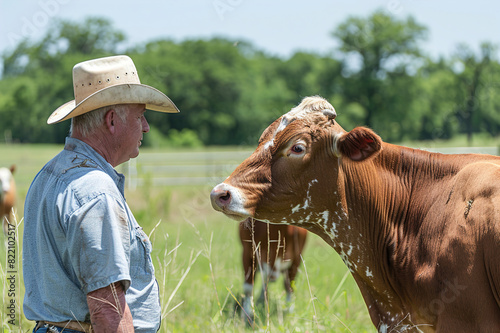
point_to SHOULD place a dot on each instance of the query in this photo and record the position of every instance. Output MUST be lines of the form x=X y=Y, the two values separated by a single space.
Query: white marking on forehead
x=368 y=272
x=302 y=110
x=269 y=144
x=283 y=124
x=307 y=106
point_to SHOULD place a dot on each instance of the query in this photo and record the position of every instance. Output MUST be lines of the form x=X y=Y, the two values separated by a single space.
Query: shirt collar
x=86 y=150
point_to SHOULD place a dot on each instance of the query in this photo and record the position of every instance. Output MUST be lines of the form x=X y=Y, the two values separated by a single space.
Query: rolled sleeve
x=99 y=243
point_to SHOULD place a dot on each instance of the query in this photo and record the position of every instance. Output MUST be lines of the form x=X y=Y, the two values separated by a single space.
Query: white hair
x=86 y=123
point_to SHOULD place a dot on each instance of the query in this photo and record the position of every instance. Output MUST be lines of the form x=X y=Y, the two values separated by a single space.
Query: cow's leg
x=5 y=225
x=249 y=269
x=290 y=274
x=299 y=240
x=267 y=275
x=247 y=304
x=2 y=209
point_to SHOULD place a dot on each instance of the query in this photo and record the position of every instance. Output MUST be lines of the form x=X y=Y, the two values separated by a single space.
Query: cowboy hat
x=109 y=81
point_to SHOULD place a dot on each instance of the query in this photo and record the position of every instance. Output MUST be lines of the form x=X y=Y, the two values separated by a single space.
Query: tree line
x=228 y=91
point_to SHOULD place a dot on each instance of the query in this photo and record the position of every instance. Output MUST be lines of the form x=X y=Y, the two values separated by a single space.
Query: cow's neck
x=382 y=199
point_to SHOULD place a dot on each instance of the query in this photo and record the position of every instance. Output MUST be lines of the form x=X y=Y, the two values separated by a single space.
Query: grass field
x=198 y=266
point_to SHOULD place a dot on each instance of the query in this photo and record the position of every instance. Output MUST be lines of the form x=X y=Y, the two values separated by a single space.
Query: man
x=86 y=261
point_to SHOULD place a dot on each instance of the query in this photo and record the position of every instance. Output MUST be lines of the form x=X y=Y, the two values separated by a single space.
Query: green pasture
x=198 y=265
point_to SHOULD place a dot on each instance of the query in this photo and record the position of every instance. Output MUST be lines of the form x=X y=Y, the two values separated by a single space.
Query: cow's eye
x=297 y=149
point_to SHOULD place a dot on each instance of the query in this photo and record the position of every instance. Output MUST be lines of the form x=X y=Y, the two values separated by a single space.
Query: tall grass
x=209 y=298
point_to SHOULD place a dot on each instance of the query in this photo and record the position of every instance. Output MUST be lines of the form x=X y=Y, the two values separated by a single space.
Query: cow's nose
x=220 y=196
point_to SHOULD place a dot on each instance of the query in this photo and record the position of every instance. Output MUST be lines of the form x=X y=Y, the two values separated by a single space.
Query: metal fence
x=182 y=168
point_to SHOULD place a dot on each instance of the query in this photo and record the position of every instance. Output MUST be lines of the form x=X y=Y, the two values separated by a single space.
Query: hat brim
x=118 y=94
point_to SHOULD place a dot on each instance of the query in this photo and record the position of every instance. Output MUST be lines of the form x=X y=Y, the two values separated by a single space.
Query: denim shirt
x=79 y=236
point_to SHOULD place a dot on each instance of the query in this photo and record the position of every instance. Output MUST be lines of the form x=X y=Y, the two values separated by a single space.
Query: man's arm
x=109 y=311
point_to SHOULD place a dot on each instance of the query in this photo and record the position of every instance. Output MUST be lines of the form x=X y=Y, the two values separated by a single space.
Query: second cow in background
x=272 y=249
x=7 y=198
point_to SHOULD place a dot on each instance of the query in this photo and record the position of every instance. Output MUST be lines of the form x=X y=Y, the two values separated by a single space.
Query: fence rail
x=212 y=167
x=182 y=168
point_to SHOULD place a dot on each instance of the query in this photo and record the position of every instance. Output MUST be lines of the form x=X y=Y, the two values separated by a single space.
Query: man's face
x=130 y=132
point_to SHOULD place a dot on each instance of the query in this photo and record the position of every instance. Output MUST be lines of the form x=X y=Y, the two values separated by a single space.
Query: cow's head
x=293 y=173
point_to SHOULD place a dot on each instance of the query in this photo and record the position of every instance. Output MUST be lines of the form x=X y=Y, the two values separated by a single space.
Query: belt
x=79 y=326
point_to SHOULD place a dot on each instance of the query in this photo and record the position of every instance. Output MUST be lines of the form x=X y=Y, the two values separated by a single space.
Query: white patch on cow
x=307 y=201
x=383 y=328
x=308 y=217
x=368 y=272
x=247 y=288
x=306 y=204
x=5 y=177
x=349 y=252
x=269 y=144
x=308 y=195
x=283 y=124
x=325 y=215
x=345 y=257
x=333 y=231
x=335 y=149
x=296 y=208
x=302 y=110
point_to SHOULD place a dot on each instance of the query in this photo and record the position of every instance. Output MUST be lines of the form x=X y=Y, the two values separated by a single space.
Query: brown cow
x=7 y=196
x=273 y=249
x=419 y=231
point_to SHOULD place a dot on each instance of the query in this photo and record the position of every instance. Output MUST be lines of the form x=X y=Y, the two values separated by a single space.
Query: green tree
x=203 y=77
x=470 y=80
x=436 y=101
x=379 y=51
x=37 y=76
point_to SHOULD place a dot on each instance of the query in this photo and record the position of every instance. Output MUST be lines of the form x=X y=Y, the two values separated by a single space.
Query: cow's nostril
x=221 y=197
x=225 y=198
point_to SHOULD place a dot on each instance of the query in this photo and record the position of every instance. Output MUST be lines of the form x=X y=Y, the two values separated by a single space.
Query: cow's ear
x=358 y=144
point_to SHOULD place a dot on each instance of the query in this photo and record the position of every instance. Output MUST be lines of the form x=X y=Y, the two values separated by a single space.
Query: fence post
x=132 y=174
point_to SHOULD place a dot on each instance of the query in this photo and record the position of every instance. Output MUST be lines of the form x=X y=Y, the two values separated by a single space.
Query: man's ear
x=110 y=120
x=358 y=144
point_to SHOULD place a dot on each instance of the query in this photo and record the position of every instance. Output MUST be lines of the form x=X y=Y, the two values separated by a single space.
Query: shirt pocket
x=141 y=260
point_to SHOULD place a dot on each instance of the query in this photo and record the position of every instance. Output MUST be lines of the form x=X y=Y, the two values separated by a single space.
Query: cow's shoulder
x=471 y=214
x=476 y=180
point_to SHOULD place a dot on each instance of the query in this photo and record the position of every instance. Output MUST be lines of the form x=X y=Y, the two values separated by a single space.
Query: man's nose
x=145 y=125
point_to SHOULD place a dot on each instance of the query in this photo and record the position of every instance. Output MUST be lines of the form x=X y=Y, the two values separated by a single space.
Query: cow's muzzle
x=229 y=200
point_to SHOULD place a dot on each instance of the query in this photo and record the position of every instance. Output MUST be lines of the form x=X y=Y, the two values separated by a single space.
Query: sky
x=278 y=27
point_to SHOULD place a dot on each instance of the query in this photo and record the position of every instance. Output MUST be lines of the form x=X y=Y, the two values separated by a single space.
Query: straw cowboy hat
x=109 y=81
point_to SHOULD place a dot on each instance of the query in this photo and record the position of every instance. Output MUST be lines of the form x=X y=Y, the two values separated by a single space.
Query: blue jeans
x=54 y=329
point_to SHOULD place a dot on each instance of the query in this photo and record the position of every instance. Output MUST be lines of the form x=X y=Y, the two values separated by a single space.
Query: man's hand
x=109 y=311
